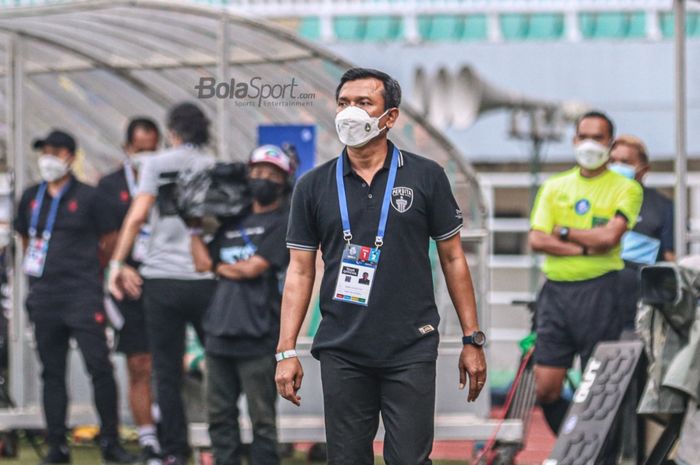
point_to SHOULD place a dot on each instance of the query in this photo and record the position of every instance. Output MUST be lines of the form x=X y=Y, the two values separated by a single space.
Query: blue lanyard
x=343 y=202
x=246 y=238
x=53 y=212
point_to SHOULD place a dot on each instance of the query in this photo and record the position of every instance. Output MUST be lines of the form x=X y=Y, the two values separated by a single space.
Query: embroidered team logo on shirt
x=582 y=207
x=402 y=199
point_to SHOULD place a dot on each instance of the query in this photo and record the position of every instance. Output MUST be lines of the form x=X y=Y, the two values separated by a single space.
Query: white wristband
x=285 y=355
x=115 y=265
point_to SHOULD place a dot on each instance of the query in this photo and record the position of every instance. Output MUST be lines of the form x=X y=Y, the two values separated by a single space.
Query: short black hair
x=190 y=123
x=392 y=88
x=140 y=122
x=597 y=114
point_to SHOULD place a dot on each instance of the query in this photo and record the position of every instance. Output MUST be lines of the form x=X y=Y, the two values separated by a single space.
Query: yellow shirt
x=569 y=199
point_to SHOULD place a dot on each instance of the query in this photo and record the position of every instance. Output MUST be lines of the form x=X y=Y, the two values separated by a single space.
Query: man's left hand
x=473 y=363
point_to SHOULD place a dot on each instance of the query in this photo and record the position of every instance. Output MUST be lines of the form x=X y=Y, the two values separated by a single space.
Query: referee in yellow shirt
x=577 y=221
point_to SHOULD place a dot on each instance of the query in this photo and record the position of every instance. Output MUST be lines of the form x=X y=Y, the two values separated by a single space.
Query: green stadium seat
x=611 y=26
x=545 y=26
x=440 y=27
x=381 y=28
x=349 y=28
x=475 y=28
x=310 y=28
x=514 y=26
x=692 y=26
x=637 y=25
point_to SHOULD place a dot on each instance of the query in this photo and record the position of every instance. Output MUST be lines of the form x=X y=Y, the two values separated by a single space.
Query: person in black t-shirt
x=242 y=321
x=651 y=240
x=116 y=191
x=374 y=210
x=61 y=222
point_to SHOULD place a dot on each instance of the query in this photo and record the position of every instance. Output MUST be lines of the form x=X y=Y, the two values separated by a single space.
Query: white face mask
x=356 y=127
x=591 y=155
x=52 y=168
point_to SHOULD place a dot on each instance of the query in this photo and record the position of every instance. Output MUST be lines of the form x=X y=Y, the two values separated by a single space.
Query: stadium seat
x=349 y=28
x=310 y=28
x=545 y=26
x=692 y=26
x=637 y=25
x=475 y=28
x=514 y=26
x=381 y=28
x=440 y=27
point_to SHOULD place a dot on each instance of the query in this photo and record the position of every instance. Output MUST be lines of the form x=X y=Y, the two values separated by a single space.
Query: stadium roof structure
x=89 y=66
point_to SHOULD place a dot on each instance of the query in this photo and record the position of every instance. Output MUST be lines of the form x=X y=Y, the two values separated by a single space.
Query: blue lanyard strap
x=246 y=238
x=51 y=219
x=343 y=202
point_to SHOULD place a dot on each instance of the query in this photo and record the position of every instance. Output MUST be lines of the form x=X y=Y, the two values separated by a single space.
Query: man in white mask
x=578 y=220
x=61 y=222
x=117 y=189
x=377 y=341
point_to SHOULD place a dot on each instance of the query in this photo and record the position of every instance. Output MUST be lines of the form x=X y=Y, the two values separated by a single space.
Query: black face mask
x=265 y=191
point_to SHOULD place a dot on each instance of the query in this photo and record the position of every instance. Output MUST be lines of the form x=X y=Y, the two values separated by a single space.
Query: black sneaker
x=113 y=452
x=57 y=454
x=149 y=456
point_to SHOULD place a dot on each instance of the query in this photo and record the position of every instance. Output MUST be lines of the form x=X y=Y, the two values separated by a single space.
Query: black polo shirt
x=115 y=199
x=400 y=324
x=72 y=268
x=656 y=220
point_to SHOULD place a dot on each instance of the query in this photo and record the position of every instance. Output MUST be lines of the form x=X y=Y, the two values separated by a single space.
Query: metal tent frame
x=88 y=66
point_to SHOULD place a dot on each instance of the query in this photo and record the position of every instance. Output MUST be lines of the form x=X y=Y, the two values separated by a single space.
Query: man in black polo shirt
x=373 y=210
x=116 y=191
x=61 y=222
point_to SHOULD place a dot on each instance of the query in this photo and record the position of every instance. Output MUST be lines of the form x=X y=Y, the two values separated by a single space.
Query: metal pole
x=17 y=165
x=223 y=128
x=681 y=191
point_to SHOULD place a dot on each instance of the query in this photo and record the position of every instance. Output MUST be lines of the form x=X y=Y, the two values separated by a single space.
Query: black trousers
x=227 y=379
x=170 y=304
x=55 y=323
x=354 y=396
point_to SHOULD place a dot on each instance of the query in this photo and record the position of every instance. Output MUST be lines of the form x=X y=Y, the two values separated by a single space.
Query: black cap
x=56 y=138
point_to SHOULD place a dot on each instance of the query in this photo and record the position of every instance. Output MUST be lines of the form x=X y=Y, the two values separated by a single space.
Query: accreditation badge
x=35 y=257
x=356 y=275
x=140 y=249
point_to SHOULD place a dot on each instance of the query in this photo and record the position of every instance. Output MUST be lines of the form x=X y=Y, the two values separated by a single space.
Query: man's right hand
x=288 y=379
x=113 y=283
x=130 y=281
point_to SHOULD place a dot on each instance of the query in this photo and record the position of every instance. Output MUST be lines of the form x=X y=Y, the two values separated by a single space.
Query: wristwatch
x=564 y=233
x=477 y=338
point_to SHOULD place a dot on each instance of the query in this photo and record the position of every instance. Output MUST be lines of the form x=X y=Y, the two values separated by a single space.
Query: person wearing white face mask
x=61 y=223
x=377 y=341
x=117 y=190
x=577 y=221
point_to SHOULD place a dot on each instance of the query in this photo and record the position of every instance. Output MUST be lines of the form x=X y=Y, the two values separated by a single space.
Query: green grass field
x=89 y=455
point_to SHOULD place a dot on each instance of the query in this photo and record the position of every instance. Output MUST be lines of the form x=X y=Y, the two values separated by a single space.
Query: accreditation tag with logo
x=35 y=257
x=356 y=275
x=359 y=263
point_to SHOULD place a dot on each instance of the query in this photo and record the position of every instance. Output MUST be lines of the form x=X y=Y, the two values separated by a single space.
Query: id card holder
x=356 y=275
x=140 y=249
x=35 y=257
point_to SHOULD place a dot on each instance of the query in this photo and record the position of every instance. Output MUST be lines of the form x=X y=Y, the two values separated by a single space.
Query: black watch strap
x=477 y=338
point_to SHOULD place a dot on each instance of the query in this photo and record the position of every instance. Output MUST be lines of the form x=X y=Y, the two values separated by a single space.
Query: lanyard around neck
x=130 y=178
x=343 y=202
x=53 y=212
